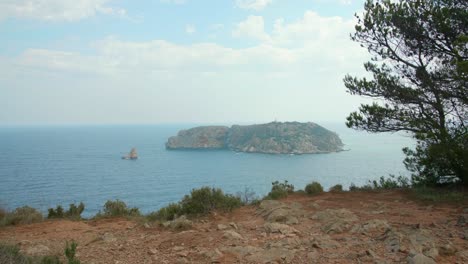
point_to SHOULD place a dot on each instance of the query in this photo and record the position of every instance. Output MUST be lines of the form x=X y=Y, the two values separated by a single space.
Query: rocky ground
x=349 y=227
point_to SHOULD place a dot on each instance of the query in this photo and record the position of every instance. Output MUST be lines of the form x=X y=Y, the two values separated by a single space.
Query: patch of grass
x=11 y=254
x=21 y=215
x=438 y=194
x=200 y=202
x=279 y=190
x=74 y=212
x=336 y=188
x=313 y=188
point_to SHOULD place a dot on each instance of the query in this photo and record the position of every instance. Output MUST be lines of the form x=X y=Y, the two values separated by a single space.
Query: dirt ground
x=348 y=227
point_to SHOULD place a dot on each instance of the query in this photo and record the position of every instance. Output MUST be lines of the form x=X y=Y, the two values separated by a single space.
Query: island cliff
x=272 y=138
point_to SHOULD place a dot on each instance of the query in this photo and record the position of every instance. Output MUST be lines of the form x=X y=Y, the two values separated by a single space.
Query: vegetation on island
x=271 y=138
x=420 y=73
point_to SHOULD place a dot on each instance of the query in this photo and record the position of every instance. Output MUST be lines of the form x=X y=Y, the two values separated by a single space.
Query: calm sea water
x=46 y=166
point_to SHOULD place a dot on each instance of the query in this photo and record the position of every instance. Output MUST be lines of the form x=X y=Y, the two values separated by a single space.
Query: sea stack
x=132 y=155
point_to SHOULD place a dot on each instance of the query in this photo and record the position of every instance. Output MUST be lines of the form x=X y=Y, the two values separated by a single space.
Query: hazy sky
x=176 y=61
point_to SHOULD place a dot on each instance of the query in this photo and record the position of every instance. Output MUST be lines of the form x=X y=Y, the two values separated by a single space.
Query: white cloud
x=253 y=4
x=253 y=27
x=312 y=42
x=56 y=10
x=177 y=2
x=190 y=29
x=293 y=72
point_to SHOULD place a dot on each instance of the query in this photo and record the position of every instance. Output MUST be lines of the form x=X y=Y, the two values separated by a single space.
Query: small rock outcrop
x=271 y=138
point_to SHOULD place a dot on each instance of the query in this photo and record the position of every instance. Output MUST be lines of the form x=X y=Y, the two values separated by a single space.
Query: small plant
x=74 y=212
x=21 y=215
x=336 y=188
x=119 y=208
x=280 y=190
x=313 y=188
x=70 y=251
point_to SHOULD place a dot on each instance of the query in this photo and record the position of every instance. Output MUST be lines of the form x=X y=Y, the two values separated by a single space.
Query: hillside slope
x=349 y=227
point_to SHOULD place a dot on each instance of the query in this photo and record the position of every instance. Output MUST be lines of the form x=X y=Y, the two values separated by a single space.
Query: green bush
x=119 y=208
x=21 y=215
x=336 y=188
x=74 y=212
x=204 y=200
x=200 y=202
x=313 y=188
x=280 y=190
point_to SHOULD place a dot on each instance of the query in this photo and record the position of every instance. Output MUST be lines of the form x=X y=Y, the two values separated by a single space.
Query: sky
x=177 y=61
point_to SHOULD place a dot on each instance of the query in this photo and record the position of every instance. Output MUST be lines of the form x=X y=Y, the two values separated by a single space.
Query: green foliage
x=422 y=86
x=70 y=251
x=118 y=208
x=21 y=215
x=200 y=202
x=74 y=212
x=336 y=188
x=313 y=188
x=3 y=212
x=280 y=190
x=170 y=212
x=204 y=200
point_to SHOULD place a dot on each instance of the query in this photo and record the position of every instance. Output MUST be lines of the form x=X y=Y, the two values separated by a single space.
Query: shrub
x=336 y=188
x=392 y=182
x=70 y=251
x=313 y=188
x=204 y=200
x=22 y=215
x=74 y=212
x=200 y=202
x=280 y=190
x=119 y=208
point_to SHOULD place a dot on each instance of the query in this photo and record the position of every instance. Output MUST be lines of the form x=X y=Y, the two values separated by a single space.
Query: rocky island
x=271 y=138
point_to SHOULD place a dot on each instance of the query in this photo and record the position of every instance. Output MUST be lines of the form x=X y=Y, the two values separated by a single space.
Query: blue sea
x=43 y=166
